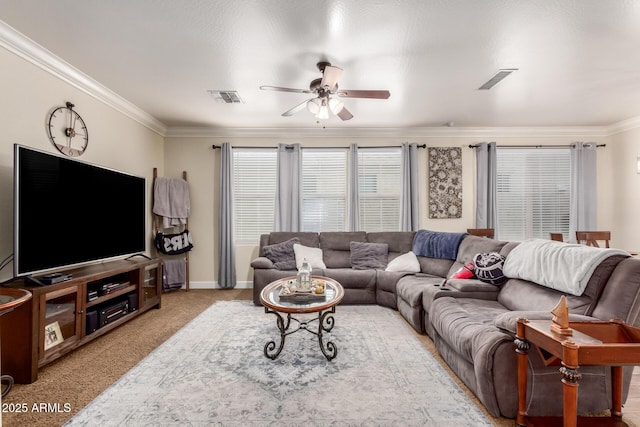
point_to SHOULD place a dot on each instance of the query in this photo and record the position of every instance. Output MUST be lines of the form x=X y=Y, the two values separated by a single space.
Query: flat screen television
x=68 y=212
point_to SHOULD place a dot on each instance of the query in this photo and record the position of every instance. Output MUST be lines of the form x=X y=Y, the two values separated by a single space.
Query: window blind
x=254 y=186
x=533 y=192
x=324 y=189
x=379 y=184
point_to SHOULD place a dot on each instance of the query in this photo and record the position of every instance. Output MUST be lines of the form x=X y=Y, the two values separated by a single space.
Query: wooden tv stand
x=65 y=315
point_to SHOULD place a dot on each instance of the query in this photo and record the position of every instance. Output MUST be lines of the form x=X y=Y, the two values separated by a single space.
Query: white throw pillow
x=406 y=262
x=313 y=256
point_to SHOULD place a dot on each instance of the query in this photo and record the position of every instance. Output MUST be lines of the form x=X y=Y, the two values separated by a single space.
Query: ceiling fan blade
x=378 y=94
x=295 y=109
x=330 y=76
x=344 y=114
x=285 y=89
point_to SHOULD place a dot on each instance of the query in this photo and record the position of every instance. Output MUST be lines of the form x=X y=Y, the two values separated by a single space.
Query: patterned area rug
x=213 y=372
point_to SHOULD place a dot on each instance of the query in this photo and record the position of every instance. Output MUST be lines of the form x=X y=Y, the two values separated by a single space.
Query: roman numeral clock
x=68 y=131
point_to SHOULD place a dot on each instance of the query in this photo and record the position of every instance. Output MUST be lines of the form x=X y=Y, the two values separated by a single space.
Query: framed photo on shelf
x=52 y=335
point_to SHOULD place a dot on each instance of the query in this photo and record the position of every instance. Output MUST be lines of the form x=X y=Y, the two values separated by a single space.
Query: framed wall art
x=445 y=182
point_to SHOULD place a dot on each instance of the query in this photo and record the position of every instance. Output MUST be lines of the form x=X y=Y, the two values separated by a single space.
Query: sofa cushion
x=467 y=324
x=406 y=262
x=306 y=238
x=282 y=254
x=619 y=298
x=312 y=255
x=336 y=247
x=435 y=266
x=365 y=256
x=399 y=242
x=508 y=321
x=517 y=294
x=262 y=262
x=561 y=266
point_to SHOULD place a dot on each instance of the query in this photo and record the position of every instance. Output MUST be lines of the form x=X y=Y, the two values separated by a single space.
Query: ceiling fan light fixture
x=314 y=106
x=323 y=114
x=335 y=105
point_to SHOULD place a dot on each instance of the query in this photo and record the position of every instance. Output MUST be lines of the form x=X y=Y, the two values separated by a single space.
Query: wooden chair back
x=556 y=236
x=482 y=232
x=591 y=238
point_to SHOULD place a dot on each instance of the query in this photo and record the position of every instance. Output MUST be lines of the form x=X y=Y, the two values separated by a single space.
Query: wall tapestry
x=445 y=182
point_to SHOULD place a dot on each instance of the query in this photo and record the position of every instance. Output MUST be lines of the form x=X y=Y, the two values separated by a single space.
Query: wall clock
x=68 y=131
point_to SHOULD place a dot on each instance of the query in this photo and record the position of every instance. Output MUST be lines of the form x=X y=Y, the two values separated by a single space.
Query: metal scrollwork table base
x=288 y=324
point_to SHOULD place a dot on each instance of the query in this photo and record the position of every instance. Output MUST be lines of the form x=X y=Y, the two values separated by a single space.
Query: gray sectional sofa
x=472 y=322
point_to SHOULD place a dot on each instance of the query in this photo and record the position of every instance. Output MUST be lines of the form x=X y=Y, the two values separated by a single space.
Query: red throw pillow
x=465 y=272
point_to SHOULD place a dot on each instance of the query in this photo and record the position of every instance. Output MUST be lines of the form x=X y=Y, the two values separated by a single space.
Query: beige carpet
x=79 y=377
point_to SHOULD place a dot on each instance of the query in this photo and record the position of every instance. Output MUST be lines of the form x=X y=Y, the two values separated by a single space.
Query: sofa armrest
x=471 y=285
x=262 y=262
x=508 y=321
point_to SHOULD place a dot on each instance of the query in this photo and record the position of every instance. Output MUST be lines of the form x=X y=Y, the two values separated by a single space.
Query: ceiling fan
x=324 y=88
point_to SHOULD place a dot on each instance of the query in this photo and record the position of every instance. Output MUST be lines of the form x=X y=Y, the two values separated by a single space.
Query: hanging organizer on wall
x=171 y=206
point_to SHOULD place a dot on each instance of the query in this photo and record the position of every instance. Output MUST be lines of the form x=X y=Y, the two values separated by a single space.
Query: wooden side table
x=612 y=343
x=9 y=300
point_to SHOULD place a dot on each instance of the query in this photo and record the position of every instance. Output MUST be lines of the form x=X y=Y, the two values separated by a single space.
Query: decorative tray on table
x=290 y=292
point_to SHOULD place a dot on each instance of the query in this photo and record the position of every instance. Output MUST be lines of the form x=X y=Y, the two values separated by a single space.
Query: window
x=533 y=192
x=254 y=178
x=324 y=189
x=379 y=181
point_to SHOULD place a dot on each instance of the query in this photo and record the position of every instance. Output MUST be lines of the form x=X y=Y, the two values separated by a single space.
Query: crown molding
x=27 y=49
x=415 y=132
x=624 y=125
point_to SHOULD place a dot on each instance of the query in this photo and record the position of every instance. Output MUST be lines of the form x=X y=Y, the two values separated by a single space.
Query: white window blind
x=324 y=189
x=533 y=192
x=254 y=187
x=379 y=181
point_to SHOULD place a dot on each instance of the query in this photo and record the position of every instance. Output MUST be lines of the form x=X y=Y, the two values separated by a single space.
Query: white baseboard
x=214 y=285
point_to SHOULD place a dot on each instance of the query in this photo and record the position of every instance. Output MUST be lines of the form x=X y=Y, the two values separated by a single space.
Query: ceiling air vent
x=226 y=96
x=497 y=78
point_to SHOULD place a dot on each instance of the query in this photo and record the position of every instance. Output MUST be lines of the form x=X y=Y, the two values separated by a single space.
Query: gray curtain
x=409 y=216
x=486 y=204
x=583 y=205
x=227 y=266
x=288 y=201
x=353 y=191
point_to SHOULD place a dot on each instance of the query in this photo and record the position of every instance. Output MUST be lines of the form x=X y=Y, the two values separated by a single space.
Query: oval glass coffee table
x=278 y=303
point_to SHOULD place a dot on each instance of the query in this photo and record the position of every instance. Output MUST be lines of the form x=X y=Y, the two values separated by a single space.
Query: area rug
x=213 y=372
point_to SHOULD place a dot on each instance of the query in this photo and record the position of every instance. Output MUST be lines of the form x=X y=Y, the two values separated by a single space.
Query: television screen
x=68 y=212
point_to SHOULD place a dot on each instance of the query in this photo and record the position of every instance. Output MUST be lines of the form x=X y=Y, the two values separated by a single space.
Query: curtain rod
x=535 y=146
x=346 y=148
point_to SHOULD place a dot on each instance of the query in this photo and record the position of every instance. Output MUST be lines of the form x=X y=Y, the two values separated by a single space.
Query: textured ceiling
x=578 y=62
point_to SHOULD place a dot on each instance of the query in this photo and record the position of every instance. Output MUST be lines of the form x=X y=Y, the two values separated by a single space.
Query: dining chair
x=591 y=238
x=482 y=232
x=556 y=236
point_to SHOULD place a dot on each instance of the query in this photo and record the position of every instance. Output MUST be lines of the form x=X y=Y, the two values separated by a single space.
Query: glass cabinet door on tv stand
x=60 y=320
x=150 y=285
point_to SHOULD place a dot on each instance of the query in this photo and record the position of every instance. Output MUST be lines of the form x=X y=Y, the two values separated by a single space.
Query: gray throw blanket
x=171 y=201
x=435 y=244
x=175 y=273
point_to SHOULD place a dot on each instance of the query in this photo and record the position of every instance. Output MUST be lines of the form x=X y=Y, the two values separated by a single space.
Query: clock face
x=68 y=132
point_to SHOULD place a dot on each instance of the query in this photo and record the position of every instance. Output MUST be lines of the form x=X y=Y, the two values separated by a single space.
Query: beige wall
x=201 y=162
x=623 y=199
x=28 y=95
